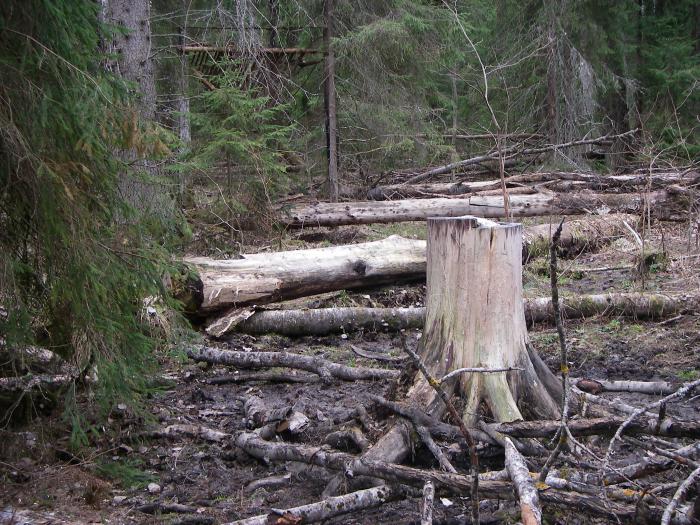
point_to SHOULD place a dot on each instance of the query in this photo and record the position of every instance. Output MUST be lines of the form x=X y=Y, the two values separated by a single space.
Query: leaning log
x=324 y=321
x=665 y=204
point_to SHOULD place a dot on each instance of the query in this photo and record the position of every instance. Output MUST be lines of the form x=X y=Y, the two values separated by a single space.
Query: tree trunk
x=324 y=321
x=134 y=63
x=330 y=102
x=664 y=204
x=268 y=277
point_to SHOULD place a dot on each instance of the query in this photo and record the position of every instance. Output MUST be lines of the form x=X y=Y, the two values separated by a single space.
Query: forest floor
x=112 y=480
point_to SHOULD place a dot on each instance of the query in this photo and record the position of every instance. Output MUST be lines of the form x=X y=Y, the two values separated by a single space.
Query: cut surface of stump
x=475 y=318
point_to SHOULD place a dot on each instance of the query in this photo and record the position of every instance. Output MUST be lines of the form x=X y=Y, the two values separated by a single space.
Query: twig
x=425 y=436
x=473 y=457
x=563 y=432
x=679 y=496
x=478 y=371
x=426 y=508
x=681 y=392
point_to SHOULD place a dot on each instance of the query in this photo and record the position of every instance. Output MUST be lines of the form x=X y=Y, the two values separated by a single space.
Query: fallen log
x=267 y=277
x=328 y=508
x=324 y=368
x=569 y=180
x=324 y=321
x=640 y=387
x=602 y=425
x=664 y=204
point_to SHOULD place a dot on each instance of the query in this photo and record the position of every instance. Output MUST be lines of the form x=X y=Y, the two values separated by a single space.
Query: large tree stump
x=475 y=318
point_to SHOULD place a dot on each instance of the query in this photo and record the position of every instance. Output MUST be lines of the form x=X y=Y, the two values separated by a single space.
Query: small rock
x=118 y=500
x=343 y=336
x=153 y=488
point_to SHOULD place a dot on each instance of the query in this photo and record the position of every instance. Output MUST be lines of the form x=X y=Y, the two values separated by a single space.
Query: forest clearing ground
x=111 y=478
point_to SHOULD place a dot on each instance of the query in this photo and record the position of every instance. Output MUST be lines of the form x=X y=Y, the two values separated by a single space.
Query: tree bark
x=324 y=321
x=330 y=101
x=664 y=204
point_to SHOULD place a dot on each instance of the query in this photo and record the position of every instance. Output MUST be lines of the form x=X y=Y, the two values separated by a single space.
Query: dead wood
x=514 y=152
x=194 y=431
x=663 y=204
x=267 y=277
x=455 y=483
x=595 y=386
x=31 y=382
x=263 y=377
x=324 y=368
x=530 y=511
x=323 y=321
x=427 y=504
x=328 y=508
x=603 y=425
x=165 y=508
x=559 y=181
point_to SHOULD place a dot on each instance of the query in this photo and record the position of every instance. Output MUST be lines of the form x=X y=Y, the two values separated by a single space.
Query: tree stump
x=475 y=318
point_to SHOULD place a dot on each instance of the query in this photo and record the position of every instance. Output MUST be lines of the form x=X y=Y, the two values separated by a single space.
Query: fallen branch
x=530 y=511
x=328 y=508
x=194 y=431
x=513 y=151
x=324 y=368
x=679 y=496
x=640 y=387
x=427 y=503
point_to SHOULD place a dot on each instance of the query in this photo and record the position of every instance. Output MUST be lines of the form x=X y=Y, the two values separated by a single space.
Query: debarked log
x=665 y=204
x=267 y=277
x=324 y=368
x=323 y=321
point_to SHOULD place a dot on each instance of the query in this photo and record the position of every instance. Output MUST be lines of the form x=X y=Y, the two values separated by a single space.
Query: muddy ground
x=45 y=481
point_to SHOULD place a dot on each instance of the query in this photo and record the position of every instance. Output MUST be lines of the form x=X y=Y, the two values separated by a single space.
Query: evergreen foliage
x=75 y=265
